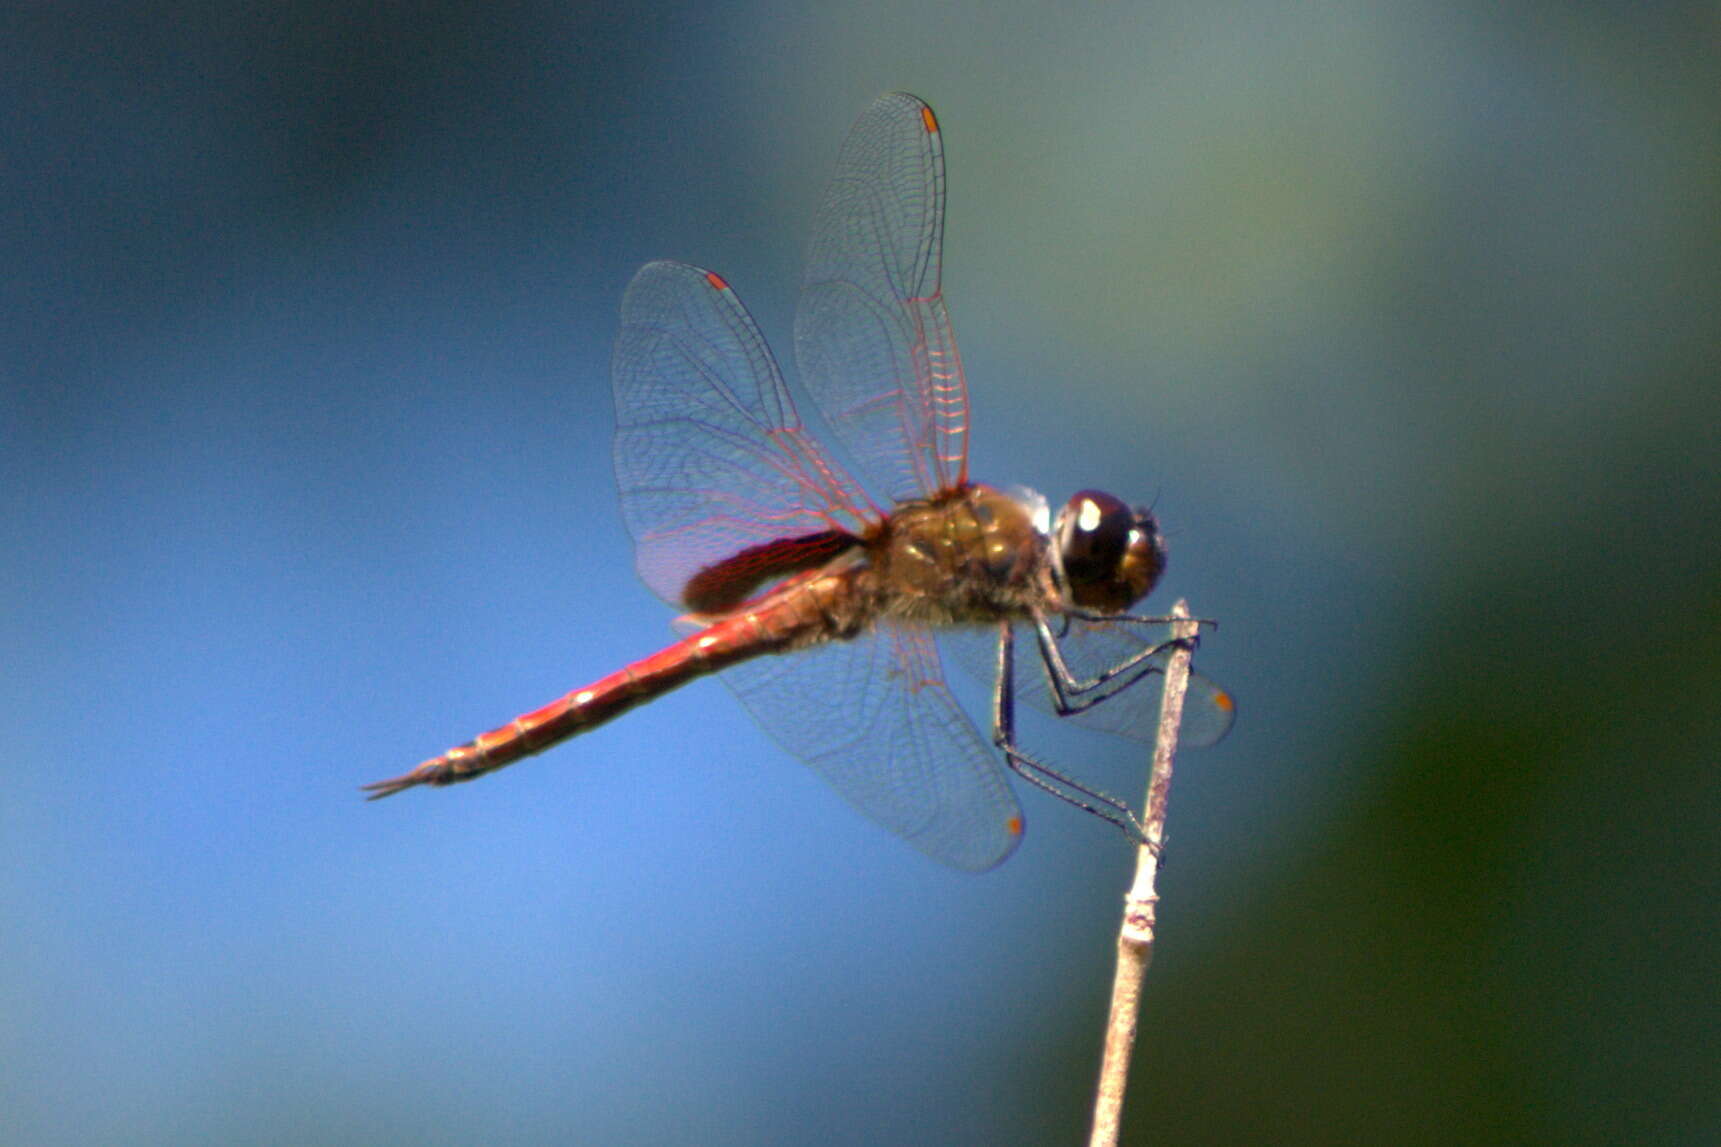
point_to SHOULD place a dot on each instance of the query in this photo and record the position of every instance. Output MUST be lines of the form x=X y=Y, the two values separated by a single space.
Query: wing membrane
x=872 y=334
x=874 y=717
x=710 y=456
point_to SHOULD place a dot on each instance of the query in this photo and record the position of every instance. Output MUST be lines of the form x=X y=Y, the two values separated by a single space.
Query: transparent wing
x=875 y=718
x=1130 y=709
x=872 y=335
x=710 y=456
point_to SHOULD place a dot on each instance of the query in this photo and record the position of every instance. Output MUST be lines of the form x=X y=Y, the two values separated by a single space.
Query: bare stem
x=1135 y=937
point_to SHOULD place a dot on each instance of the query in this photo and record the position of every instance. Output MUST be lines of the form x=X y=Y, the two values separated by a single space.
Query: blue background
x=1405 y=315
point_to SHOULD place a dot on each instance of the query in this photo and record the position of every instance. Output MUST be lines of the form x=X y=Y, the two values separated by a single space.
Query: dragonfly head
x=1106 y=555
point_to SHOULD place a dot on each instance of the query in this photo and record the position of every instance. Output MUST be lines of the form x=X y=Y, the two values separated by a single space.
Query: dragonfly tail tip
x=379 y=789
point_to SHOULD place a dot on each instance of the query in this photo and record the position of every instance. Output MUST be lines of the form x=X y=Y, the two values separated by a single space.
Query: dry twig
x=1135 y=938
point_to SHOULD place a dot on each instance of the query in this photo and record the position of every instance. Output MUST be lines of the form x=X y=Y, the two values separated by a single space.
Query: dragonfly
x=821 y=607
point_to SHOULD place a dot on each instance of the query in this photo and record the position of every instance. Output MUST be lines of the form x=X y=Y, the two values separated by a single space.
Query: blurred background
x=1404 y=315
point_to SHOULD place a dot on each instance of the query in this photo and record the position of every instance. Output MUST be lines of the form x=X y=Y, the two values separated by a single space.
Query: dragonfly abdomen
x=790 y=620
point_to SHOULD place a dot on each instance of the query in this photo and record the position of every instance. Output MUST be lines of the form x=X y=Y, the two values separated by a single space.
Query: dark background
x=1405 y=314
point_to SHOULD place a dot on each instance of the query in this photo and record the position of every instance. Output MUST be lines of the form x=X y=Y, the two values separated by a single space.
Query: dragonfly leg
x=1060 y=784
x=1076 y=613
x=1071 y=694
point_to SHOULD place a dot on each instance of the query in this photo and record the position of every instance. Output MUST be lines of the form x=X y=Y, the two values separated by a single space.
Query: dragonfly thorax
x=969 y=555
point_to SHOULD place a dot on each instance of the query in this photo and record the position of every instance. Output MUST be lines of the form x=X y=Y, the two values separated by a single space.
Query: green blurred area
x=1506 y=933
x=1510 y=935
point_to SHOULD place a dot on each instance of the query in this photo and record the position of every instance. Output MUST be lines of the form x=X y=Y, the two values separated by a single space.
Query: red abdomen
x=788 y=618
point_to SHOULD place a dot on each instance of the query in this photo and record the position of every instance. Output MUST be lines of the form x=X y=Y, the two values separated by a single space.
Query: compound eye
x=1093 y=536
